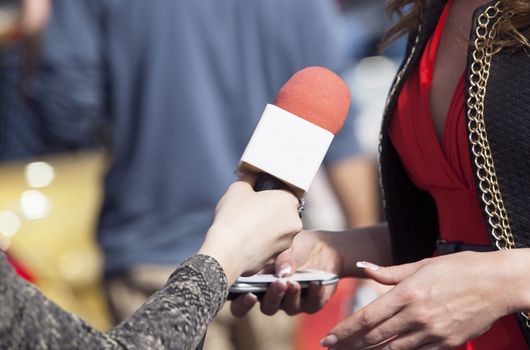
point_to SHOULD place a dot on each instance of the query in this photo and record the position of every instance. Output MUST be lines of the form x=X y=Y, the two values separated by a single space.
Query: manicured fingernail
x=330 y=340
x=285 y=270
x=291 y=287
x=250 y=299
x=367 y=265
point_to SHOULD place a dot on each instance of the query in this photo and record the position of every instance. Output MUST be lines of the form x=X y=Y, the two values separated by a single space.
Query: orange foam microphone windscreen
x=317 y=95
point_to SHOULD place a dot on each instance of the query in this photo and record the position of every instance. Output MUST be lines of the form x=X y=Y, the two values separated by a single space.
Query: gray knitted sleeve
x=176 y=317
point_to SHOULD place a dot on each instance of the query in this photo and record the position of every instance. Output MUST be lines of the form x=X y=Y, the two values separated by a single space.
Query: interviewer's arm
x=175 y=317
x=249 y=228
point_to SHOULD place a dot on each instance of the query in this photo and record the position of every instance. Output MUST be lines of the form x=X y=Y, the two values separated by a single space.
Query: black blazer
x=498 y=116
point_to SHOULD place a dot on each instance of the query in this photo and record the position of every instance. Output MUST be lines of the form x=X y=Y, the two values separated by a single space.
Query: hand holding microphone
x=253 y=225
x=250 y=228
x=286 y=150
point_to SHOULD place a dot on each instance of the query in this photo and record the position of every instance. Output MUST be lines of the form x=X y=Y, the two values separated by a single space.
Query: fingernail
x=285 y=270
x=250 y=299
x=291 y=287
x=330 y=340
x=367 y=265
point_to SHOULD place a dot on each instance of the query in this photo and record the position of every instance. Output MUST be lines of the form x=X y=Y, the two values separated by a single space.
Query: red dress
x=443 y=169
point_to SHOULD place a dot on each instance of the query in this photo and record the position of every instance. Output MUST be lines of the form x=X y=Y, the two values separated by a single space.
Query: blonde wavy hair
x=514 y=31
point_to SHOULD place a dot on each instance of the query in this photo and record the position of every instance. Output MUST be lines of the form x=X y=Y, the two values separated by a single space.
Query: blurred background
x=60 y=176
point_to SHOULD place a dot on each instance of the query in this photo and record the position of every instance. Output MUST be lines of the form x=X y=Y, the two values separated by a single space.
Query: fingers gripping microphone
x=293 y=135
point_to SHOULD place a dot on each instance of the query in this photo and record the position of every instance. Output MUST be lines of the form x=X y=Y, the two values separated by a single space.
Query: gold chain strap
x=389 y=98
x=403 y=69
x=487 y=29
x=478 y=79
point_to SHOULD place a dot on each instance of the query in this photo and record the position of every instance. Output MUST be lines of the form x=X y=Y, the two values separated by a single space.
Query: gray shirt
x=180 y=86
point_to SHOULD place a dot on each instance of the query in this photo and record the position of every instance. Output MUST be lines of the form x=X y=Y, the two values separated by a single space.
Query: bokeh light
x=35 y=205
x=9 y=223
x=39 y=174
x=375 y=72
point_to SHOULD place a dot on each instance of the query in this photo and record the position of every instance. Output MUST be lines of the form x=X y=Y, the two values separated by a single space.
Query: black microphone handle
x=266 y=182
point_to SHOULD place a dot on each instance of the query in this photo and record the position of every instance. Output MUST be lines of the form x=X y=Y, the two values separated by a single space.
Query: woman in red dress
x=455 y=162
x=434 y=150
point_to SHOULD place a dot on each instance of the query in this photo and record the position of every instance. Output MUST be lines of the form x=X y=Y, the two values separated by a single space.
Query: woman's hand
x=309 y=250
x=437 y=303
x=250 y=228
x=327 y=251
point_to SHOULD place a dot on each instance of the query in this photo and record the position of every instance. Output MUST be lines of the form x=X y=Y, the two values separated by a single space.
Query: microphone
x=294 y=134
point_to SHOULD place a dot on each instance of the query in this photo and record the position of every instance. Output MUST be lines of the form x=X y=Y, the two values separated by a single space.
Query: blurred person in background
x=19 y=129
x=175 y=89
x=21 y=25
x=260 y=226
